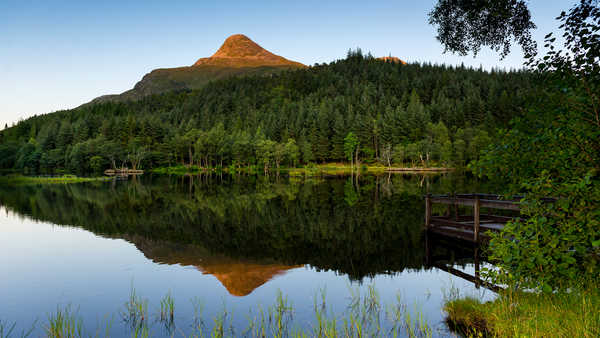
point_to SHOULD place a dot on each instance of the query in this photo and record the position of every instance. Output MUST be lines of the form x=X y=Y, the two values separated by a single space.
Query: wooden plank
x=462 y=233
x=504 y=205
x=487 y=200
x=453 y=232
x=485 y=225
x=444 y=221
x=482 y=196
x=498 y=218
x=484 y=203
x=459 y=201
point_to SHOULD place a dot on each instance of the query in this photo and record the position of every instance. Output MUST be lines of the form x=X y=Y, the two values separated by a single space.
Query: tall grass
x=167 y=308
x=65 y=323
x=198 y=324
x=167 y=313
x=568 y=313
x=135 y=312
x=5 y=330
x=364 y=316
x=141 y=331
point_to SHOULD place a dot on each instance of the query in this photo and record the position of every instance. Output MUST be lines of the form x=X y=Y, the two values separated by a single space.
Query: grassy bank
x=573 y=313
x=325 y=169
x=64 y=179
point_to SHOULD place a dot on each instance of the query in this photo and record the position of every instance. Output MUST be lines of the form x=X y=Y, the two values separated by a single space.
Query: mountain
x=392 y=59
x=239 y=277
x=239 y=51
x=238 y=56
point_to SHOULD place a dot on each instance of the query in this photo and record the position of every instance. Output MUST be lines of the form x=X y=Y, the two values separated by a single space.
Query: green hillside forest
x=358 y=108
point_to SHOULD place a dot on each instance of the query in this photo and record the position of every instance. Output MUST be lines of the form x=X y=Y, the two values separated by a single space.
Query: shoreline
x=64 y=179
x=326 y=169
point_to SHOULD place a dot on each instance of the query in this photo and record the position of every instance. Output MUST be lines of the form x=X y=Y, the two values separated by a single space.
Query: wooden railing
x=476 y=201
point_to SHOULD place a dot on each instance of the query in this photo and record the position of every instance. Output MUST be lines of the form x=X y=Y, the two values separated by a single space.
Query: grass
x=573 y=313
x=167 y=308
x=64 y=179
x=365 y=316
x=6 y=330
x=65 y=323
x=135 y=313
x=311 y=170
x=335 y=169
x=167 y=312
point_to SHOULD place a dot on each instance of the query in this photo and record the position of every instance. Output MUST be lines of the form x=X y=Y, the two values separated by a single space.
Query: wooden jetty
x=473 y=227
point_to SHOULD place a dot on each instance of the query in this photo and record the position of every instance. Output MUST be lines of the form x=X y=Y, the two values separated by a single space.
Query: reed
x=141 y=331
x=136 y=310
x=167 y=308
x=65 y=323
x=6 y=330
x=281 y=315
x=364 y=316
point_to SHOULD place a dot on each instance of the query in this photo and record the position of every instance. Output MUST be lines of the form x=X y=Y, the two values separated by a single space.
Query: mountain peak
x=238 y=50
x=239 y=45
x=391 y=59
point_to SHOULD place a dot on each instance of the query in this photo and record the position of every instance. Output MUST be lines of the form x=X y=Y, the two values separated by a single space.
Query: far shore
x=309 y=170
x=18 y=179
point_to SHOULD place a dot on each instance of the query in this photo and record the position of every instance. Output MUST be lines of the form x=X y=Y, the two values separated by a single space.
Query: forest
x=355 y=109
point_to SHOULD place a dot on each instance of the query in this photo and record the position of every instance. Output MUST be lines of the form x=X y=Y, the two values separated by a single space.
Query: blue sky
x=59 y=54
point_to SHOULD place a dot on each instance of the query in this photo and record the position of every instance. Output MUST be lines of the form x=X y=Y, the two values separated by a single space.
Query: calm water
x=224 y=244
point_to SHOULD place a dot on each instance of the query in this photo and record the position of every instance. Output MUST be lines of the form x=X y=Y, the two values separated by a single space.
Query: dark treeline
x=358 y=108
x=360 y=228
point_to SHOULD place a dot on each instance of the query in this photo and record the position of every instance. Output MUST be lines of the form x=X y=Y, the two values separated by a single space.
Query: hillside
x=238 y=56
x=413 y=114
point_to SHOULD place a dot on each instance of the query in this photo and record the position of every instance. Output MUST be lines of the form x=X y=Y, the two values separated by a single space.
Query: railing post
x=427 y=210
x=476 y=210
x=456 y=216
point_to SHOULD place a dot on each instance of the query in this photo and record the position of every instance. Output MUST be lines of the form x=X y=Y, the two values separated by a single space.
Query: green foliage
x=215 y=126
x=553 y=151
x=97 y=163
x=350 y=146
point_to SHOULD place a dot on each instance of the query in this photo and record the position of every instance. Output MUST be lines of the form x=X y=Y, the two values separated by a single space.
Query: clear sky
x=59 y=54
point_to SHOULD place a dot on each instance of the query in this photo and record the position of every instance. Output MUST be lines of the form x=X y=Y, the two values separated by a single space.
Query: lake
x=225 y=248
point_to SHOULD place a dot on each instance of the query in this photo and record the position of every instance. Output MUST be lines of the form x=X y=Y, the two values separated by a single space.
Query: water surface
x=224 y=243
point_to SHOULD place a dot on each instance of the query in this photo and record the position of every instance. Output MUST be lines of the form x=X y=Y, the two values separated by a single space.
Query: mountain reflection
x=239 y=276
x=246 y=231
